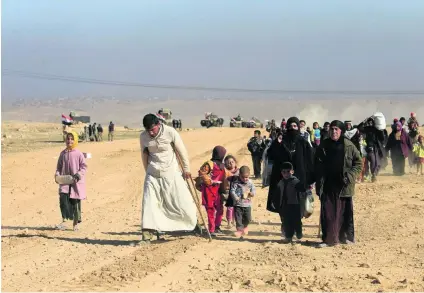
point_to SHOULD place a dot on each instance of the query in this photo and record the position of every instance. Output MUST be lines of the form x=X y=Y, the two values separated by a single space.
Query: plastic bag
x=64 y=179
x=308 y=208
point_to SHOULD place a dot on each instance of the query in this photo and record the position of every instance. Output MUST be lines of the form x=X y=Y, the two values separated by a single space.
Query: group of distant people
x=94 y=132
x=375 y=145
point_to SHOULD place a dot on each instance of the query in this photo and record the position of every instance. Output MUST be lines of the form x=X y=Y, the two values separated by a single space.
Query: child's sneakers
x=61 y=226
x=245 y=231
x=238 y=234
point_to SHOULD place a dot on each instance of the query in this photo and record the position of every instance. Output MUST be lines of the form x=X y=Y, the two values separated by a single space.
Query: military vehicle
x=236 y=121
x=211 y=120
x=78 y=118
x=167 y=116
x=76 y=123
x=253 y=123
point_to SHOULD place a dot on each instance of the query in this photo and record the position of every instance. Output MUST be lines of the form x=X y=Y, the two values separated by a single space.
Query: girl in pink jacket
x=71 y=162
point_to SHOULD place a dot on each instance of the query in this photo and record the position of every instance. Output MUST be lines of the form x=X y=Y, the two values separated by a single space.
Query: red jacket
x=210 y=193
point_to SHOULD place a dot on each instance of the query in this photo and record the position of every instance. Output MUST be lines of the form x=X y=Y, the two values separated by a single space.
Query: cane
x=194 y=195
x=319 y=226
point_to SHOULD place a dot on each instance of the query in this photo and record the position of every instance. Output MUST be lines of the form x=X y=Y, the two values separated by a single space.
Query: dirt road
x=389 y=254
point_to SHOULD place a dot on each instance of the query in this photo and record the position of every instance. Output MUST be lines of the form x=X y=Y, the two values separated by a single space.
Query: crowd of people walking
x=297 y=160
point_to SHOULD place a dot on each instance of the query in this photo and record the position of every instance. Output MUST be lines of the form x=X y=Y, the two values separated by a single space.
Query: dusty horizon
x=130 y=112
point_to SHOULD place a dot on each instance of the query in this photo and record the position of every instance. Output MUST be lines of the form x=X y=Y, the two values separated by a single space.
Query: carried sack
x=379 y=120
x=64 y=179
x=308 y=205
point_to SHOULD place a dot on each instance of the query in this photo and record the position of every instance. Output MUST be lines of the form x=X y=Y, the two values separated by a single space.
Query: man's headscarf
x=339 y=124
x=75 y=144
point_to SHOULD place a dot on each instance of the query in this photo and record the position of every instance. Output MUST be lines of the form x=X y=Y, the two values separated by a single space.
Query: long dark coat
x=298 y=152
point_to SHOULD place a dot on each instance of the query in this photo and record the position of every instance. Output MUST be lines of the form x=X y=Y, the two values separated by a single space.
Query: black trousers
x=243 y=217
x=256 y=159
x=70 y=208
x=291 y=219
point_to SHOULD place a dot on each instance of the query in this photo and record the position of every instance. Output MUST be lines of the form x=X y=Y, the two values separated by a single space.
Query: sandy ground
x=388 y=255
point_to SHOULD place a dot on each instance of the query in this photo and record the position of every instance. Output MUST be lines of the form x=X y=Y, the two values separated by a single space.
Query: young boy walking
x=290 y=189
x=71 y=162
x=241 y=192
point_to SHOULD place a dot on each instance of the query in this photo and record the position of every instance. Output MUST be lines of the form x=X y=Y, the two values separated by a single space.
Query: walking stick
x=194 y=195
x=319 y=226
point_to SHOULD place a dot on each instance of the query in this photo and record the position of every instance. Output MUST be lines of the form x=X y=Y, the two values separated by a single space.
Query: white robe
x=167 y=203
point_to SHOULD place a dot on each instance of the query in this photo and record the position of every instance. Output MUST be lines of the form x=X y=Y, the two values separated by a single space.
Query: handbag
x=64 y=179
x=308 y=205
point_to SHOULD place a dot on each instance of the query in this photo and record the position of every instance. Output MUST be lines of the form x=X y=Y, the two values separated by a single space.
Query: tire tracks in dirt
x=109 y=220
x=145 y=261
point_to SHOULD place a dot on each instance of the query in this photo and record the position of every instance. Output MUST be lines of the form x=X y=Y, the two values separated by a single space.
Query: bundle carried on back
x=379 y=120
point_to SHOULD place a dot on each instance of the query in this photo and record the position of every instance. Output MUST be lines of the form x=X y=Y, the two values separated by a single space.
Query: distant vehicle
x=76 y=118
x=211 y=120
x=76 y=123
x=236 y=121
x=253 y=123
x=166 y=115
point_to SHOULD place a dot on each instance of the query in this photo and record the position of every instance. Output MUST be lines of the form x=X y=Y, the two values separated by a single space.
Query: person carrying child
x=71 y=162
x=290 y=190
x=210 y=182
x=419 y=155
x=241 y=192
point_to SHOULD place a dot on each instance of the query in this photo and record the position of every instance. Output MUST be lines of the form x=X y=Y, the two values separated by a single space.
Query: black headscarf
x=292 y=133
x=338 y=124
x=293 y=120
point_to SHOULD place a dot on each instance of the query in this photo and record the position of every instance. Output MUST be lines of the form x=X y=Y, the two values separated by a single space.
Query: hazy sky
x=327 y=45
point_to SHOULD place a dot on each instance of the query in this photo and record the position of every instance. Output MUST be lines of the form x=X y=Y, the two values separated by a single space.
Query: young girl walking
x=419 y=154
x=231 y=172
x=71 y=162
x=317 y=134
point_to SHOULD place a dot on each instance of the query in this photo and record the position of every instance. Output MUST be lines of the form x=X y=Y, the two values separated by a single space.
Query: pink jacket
x=70 y=163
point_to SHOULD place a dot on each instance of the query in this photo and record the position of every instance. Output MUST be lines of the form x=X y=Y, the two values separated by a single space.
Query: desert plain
x=103 y=255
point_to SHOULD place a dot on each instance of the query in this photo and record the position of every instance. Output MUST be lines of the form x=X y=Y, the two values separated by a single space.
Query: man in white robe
x=167 y=203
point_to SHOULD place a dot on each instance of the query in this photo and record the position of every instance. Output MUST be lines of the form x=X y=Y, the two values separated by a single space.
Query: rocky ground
x=388 y=255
